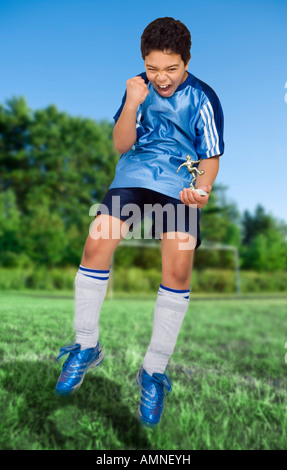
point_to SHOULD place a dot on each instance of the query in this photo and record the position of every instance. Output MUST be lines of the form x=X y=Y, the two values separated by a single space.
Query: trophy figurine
x=193 y=170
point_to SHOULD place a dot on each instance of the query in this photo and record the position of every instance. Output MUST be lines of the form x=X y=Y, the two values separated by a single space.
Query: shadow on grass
x=93 y=417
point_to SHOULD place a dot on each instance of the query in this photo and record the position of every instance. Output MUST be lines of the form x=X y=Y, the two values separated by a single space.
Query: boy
x=166 y=114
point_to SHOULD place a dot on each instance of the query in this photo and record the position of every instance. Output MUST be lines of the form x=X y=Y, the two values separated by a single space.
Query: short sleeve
x=139 y=128
x=118 y=113
x=209 y=128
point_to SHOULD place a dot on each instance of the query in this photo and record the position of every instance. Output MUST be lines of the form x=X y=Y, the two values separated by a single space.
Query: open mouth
x=164 y=89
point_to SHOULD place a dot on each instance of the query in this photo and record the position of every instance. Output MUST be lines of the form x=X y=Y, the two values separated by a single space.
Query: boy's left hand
x=187 y=196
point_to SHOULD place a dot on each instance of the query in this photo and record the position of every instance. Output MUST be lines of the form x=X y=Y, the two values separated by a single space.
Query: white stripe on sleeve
x=210 y=130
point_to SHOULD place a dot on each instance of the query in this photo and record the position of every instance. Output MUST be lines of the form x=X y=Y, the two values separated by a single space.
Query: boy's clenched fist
x=137 y=91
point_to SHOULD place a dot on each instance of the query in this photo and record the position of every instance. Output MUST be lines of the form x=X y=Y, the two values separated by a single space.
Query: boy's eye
x=169 y=70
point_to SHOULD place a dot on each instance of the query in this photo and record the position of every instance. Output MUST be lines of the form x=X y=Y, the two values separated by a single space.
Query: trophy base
x=201 y=192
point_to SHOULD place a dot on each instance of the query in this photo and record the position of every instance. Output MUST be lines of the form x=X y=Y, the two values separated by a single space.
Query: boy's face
x=166 y=71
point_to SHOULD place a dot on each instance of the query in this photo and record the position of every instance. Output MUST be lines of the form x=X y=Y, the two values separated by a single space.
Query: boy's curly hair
x=166 y=34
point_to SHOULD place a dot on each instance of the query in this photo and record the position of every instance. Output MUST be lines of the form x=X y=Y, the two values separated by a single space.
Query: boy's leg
x=169 y=313
x=92 y=278
x=90 y=290
x=172 y=301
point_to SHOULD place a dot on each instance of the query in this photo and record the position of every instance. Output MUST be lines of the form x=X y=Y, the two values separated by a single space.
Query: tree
x=11 y=243
x=264 y=245
x=56 y=164
x=219 y=224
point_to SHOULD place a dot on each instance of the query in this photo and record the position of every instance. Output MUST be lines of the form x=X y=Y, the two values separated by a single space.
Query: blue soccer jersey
x=190 y=122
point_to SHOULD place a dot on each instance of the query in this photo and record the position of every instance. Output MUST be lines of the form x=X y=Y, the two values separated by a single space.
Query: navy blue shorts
x=166 y=214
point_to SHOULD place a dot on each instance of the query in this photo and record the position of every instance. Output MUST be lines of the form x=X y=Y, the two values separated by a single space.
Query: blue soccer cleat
x=153 y=390
x=75 y=367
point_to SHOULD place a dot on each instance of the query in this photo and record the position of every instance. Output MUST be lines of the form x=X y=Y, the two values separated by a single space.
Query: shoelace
x=73 y=349
x=162 y=378
x=161 y=383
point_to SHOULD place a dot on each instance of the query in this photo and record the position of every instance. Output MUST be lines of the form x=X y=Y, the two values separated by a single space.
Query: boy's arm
x=125 y=134
x=210 y=167
x=205 y=182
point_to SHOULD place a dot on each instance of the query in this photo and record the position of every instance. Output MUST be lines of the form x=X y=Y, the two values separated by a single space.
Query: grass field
x=228 y=371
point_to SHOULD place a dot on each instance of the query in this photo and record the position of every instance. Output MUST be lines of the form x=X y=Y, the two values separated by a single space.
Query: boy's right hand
x=137 y=91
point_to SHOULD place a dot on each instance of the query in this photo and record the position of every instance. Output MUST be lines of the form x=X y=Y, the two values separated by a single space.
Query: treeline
x=54 y=167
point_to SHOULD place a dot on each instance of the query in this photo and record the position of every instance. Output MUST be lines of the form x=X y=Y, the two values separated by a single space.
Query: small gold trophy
x=193 y=170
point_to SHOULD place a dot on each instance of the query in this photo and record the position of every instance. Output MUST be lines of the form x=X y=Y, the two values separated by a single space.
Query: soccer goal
x=156 y=245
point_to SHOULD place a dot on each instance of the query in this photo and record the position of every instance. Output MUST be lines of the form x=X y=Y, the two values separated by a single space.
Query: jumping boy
x=166 y=114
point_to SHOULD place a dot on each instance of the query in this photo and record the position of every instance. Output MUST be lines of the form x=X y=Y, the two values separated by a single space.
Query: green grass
x=228 y=371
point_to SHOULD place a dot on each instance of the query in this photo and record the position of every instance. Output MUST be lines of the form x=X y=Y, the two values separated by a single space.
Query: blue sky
x=78 y=54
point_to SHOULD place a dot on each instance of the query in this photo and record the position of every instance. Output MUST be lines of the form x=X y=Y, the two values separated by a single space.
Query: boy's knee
x=179 y=273
x=91 y=249
x=96 y=254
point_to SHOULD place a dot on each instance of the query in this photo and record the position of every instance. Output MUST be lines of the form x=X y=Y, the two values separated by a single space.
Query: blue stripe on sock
x=96 y=277
x=92 y=270
x=174 y=290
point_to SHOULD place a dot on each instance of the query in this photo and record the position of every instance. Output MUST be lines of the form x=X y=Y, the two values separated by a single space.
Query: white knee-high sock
x=90 y=290
x=170 y=309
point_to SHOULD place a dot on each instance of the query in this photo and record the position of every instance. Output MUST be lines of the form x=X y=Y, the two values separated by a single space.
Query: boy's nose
x=161 y=77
